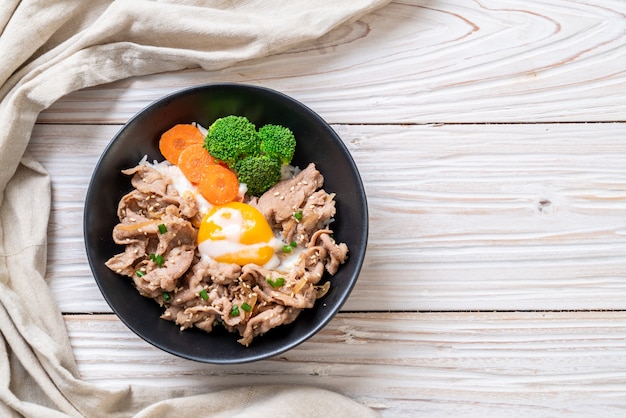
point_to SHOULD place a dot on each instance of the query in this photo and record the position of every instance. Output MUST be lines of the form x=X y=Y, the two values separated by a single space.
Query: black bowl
x=316 y=142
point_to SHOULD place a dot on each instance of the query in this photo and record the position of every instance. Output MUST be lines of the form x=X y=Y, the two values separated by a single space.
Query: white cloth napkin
x=50 y=48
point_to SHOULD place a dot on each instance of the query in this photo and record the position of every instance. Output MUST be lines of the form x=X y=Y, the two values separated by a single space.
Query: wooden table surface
x=491 y=138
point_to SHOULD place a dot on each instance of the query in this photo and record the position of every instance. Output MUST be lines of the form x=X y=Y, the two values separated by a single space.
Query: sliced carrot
x=218 y=185
x=176 y=139
x=193 y=160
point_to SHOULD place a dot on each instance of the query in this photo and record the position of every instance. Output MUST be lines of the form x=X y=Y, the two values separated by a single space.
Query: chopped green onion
x=167 y=297
x=158 y=259
x=204 y=295
x=246 y=307
x=276 y=283
x=140 y=273
x=162 y=228
x=298 y=215
x=289 y=247
x=234 y=311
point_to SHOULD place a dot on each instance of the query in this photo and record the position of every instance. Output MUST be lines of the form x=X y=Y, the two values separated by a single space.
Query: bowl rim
x=357 y=256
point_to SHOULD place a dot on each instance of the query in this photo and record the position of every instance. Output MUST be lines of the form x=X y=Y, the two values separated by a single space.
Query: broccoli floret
x=278 y=142
x=258 y=172
x=232 y=138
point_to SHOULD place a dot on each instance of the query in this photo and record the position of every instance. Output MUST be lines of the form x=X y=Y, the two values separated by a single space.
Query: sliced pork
x=158 y=229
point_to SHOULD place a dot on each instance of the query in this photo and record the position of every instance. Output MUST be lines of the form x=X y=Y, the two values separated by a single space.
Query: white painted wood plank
x=409 y=364
x=425 y=62
x=477 y=217
x=494 y=217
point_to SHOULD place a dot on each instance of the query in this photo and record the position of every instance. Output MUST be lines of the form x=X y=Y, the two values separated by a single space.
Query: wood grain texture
x=422 y=61
x=479 y=200
x=476 y=217
x=405 y=364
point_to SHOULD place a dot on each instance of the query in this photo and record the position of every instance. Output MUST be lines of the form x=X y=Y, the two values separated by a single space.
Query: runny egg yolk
x=236 y=233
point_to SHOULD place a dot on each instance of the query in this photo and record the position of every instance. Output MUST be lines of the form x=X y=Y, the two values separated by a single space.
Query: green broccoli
x=258 y=172
x=232 y=138
x=278 y=142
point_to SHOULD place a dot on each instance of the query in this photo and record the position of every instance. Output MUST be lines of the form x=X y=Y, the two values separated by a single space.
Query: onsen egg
x=237 y=233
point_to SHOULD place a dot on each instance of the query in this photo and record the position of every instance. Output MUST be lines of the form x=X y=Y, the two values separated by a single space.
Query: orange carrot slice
x=176 y=139
x=193 y=160
x=218 y=184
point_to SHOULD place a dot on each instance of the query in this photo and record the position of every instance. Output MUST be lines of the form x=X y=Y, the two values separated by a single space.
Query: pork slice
x=205 y=325
x=148 y=180
x=152 y=195
x=336 y=253
x=266 y=320
x=311 y=264
x=283 y=295
x=134 y=207
x=201 y=317
x=176 y=246
x=287 y=196
x=123 y=263
x=208 y=269
x=317 y=212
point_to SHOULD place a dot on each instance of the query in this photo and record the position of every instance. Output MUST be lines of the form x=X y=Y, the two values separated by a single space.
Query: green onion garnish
x=158 y=259
x=289 y=247
x=298 y=215
x=276 y=283
x=246 y=307
x=140 y=273
x=167 y=297
x=203 y=294
x=162 y=228
x=234 y=311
